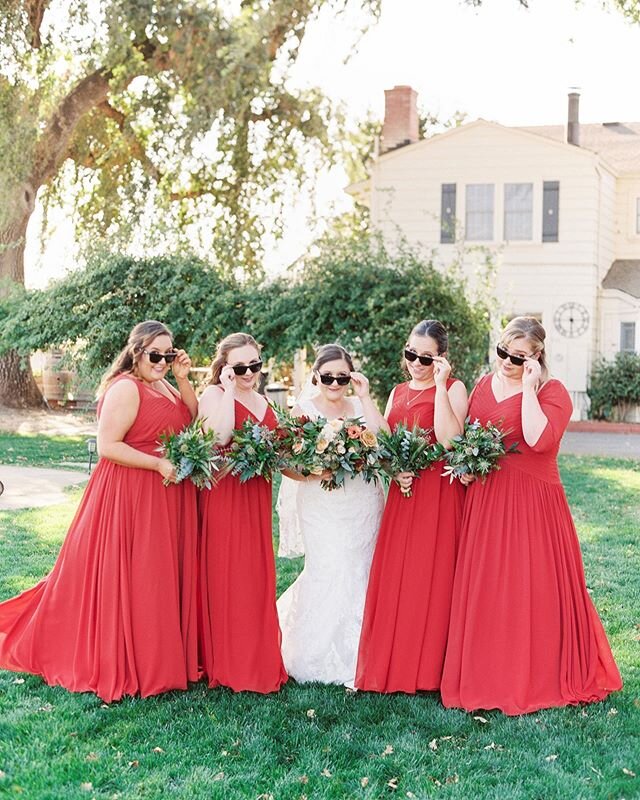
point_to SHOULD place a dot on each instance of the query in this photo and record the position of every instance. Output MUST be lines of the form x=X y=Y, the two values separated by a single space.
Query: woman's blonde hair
x=229 y=343
x=126 y=361
x=530 y=329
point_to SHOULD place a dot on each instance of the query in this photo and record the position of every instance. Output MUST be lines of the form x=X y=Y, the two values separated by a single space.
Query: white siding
x=627 y=241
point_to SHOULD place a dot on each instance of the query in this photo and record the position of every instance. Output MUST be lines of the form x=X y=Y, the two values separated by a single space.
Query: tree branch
x=35 y=13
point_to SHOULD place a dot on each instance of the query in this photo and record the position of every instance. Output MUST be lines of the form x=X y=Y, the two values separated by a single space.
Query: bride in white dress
x=321 y=612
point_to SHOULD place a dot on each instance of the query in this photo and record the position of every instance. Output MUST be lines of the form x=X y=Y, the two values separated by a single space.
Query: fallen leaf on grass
x=628 y=772
x=19 y=681
x=3 y=775
x=452 y=778
x=410 y=794
x=304 y=779
x=387 y=751
x=597 y=771
x=612 y=712
x=105 y=705
x=433 y=744
x=311 y=713
x=265 y=796
x=445 y=738
x=325 y=773
x=482 y=720
x=393 y=783
x=435 y=780
x=494 y=746
x=92 y=757
x=86 y=787
x=159 y=750
x=134 y=764
x=551 y=757
x=219 y=776
x=364 y=782
x=46 y=707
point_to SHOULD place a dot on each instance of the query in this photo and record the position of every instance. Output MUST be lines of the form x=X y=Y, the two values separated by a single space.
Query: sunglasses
x=517 y=361
x=424 y=360
x=155 y=357
x=341 y=380
x=240 y=369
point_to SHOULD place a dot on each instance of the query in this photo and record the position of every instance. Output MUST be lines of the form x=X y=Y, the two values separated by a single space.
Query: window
x=638 y=215
x=627 y=337
x=518 y=211
x=448 y=214
x=479 y=212
x=550 y=207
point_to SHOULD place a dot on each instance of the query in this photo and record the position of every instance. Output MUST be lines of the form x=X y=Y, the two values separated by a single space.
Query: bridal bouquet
x=343 y=447
x=193 y=453
x=477 y=451
x=255 y=451
x=408 y=450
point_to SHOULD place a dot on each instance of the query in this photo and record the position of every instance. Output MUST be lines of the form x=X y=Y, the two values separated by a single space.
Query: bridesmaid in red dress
x=117 y=615
x=524 y=633
x=406 y=615
x=240 y=636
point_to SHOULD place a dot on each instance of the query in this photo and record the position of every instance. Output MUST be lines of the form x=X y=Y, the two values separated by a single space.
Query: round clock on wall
x=571 y=319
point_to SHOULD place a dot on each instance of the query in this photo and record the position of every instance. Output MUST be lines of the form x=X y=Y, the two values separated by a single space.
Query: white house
x=558 y=205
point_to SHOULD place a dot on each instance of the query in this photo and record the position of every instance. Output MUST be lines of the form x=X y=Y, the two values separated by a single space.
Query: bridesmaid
x=406 y=616
x=524 y=633
x=117 y=615
x=240 y=637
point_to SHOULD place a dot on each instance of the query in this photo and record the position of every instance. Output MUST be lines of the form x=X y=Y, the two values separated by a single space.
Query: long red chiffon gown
x=117 y=615
x=240 y=636
x=524 y=633
x=406 y=616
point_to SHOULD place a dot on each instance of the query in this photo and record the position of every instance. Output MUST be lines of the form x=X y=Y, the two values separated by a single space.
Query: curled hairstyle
x=329 y=352
x=229 y=343
x=530 y=329
x=126 y=362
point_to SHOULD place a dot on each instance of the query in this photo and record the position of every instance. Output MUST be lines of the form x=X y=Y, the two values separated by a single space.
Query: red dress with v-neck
x=118 y=613
x=406 y=616
x=240 y=634
x=524 y=633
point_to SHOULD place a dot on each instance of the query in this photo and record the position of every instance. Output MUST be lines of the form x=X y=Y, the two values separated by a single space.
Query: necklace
x=413 y=399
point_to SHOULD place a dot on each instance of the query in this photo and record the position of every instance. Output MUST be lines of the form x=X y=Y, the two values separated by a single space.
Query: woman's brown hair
x=127 y=360
x=230 y=342
x=329 y=352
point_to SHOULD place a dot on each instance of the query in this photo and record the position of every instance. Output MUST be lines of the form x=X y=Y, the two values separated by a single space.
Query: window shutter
x=550 y=209
x=448 y=214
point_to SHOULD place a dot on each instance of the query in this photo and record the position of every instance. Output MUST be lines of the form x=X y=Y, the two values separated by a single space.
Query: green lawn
x=42 y=451
x=323 y=742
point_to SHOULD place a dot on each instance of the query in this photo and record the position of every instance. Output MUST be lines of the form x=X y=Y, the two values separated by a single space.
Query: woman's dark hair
x=127 y=360
x=436 y=330
x=330 y=352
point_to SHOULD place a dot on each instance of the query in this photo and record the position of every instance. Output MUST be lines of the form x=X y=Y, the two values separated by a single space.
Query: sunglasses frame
x=411 y=356
x=156 y=357
x=517 y=361
x=328 y=380
x=241 y=369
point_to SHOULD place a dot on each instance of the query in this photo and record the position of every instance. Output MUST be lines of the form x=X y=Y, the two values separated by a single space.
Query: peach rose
x=369 y=439
x=354 y=431
x=321 y=445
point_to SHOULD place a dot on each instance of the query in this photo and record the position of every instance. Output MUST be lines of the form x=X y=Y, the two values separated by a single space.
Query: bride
x=321 y=612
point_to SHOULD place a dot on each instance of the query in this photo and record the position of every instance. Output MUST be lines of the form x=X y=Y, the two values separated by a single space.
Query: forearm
x=446 y=424
x=188 y=395
x=127 y=456
x=373 y=418
x=533 y=419
x=221 y=419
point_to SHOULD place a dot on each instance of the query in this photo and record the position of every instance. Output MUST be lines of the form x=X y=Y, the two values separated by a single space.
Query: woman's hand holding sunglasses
x=181 y=365
x=360 y=384
x=228 y=378
x=441 y=370
x=532 y=373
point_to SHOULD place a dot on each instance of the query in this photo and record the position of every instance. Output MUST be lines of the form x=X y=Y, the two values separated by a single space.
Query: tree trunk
x=17 y=387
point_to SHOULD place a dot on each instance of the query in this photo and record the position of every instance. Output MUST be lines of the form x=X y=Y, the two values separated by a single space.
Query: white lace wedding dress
x=321 y=612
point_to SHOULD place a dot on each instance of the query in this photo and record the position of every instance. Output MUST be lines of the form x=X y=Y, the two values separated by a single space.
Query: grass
x=42 y=451
x=322 y=742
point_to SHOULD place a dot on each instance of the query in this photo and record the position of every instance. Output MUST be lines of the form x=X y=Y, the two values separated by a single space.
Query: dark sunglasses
x=341 y=380
x=240 y=369
x=155 y=357
x=517 y=361
x=424 y=360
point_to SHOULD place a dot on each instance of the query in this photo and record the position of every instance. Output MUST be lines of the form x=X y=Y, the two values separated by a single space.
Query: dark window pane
x=550 y=208
x=448 y=214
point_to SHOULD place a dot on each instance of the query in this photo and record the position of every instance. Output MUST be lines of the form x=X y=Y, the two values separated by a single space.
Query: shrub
x=615 y=387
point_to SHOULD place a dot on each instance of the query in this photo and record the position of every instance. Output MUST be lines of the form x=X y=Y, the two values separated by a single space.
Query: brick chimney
x=400 y=118
x=573 y=119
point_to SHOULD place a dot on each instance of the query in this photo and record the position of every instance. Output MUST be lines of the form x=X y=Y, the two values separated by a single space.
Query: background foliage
x=614 y=387
x=353 y=290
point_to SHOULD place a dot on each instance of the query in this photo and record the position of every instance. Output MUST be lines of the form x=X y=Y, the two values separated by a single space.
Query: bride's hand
x=325 y=475
x=360 y=384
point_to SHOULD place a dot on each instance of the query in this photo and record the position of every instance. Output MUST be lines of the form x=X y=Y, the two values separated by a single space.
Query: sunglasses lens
x=501 y=353
x=343 y=380
x=326 y=379
x=170 y=357
x=517 y=360
x=425 y=360
x=240 y=369
x=255 y=367
x=410 y=355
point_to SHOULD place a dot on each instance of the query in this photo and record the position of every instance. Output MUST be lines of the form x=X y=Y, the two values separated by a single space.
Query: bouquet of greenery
x=408 y=450
x=256 y=451
x=193 y=453
x=476 y=451
x=343 y=447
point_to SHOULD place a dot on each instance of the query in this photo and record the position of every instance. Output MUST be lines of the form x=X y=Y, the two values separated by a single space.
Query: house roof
x=624 y=275
x=617 y=142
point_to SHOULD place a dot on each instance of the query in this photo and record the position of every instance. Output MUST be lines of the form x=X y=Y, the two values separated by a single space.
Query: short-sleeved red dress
x=240 y=634
x=406 y=617
x=524 y=633
x=118 y=613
